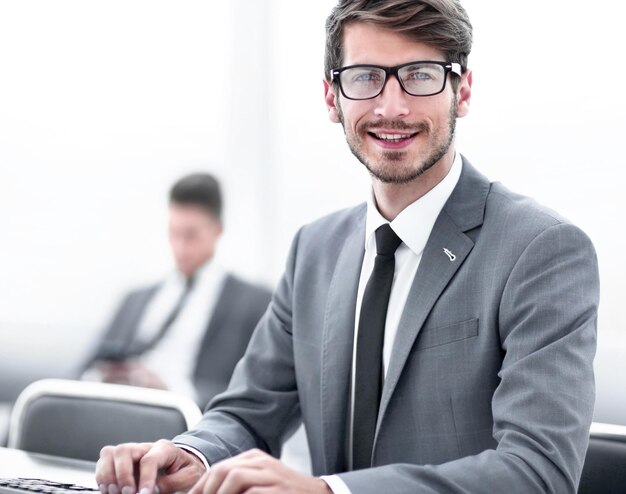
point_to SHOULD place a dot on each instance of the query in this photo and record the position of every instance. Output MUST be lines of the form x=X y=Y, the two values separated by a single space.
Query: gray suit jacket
x=239 y=307
x=490 y=384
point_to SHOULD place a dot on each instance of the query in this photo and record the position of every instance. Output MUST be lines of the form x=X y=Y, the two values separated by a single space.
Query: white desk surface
x=16 y=463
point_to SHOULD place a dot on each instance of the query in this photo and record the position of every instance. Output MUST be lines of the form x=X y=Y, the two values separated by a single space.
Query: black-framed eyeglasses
x=421 y=78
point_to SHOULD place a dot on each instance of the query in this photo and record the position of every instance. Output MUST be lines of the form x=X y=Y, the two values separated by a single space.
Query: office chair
x=75 y=419
x=604 y=471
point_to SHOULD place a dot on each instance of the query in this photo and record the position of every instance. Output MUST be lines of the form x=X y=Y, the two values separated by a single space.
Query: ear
x=464 y=94
x=331 y=101
x=217 y=226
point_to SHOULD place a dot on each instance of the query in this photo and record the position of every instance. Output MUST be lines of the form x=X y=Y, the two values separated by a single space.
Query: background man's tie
x=169 y=321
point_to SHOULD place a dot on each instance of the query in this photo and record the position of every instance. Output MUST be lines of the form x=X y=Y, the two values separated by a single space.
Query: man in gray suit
x=187 y=332
x=489 y=333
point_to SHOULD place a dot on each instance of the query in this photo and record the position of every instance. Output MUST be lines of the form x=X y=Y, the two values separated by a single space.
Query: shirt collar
x=205 y=272
x=415 y=222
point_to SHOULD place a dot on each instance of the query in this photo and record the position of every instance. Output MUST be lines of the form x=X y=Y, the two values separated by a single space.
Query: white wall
x=103 y=105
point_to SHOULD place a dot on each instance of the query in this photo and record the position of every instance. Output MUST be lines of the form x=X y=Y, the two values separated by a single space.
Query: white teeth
x=392 y=137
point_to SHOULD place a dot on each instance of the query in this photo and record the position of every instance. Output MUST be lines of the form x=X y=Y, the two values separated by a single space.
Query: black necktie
x=368 y=379
x=167 y=323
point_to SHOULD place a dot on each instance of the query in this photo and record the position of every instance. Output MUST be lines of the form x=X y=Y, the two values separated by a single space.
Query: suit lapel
x=445 y=252
x=223 y=305
x=337 y=346
x=435 y=271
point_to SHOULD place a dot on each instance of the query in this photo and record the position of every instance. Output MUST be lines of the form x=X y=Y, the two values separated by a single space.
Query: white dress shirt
x=413 y=225
x=184 y=337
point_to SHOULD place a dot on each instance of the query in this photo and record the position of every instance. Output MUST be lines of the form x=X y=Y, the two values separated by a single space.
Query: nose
x=393 y=102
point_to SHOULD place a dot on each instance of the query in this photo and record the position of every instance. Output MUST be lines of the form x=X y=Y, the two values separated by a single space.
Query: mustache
x=395 y=125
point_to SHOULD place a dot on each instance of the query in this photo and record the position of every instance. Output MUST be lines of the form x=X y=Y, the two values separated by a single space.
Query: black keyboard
x=43 y=486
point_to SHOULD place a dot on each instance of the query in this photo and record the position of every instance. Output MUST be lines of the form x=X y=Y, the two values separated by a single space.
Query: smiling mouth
x=392 y=138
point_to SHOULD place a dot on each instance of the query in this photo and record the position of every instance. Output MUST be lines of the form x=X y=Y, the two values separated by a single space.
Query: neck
x=192 y=273
x=392 y=199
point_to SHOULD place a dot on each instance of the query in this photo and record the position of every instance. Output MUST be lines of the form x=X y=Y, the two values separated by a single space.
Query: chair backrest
x=75 y=419
x=604 y=471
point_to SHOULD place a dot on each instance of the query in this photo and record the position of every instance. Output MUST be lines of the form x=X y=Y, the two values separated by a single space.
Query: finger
x=162 y=455
x=183 y=475
x=115 y=375
x=198 y=487
x=213 y=479
x=249 y=455
x=235 y=472
x=219 y=471
x=253 y=458
x=125 y=458
x=105 y=469
x=241 y=479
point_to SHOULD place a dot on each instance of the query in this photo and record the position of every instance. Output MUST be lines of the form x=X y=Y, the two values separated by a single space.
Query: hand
x=129 y=372
x=254 y=471
x=161 y=464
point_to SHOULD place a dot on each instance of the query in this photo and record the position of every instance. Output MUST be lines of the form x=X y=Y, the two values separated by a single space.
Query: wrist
x=324 y=487
x=197 y=461
x=195 y=458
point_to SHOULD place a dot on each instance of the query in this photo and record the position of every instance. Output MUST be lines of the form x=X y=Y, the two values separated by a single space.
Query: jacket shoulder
x=520 y=211
x=238 y=288
x=335 y=226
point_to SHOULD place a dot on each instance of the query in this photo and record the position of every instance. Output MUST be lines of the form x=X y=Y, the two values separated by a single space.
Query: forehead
x=365 y=43
x=187 y=213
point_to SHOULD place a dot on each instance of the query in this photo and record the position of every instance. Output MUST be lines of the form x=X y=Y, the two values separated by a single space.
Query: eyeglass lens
x=420 y=79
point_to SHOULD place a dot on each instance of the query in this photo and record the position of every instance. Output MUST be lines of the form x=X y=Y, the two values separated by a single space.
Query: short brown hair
x=443 y=24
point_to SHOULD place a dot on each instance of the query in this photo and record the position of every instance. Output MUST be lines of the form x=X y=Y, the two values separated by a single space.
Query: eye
x=419 y=75
x=369 y=76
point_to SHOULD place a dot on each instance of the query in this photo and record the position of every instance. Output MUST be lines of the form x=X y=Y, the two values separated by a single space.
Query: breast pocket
x=431 y=337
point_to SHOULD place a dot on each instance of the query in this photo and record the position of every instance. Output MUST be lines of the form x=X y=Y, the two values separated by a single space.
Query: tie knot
x=189 y=282
x=386 y=240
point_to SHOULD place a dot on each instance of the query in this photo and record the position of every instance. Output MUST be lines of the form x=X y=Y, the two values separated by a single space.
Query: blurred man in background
x=187 y=332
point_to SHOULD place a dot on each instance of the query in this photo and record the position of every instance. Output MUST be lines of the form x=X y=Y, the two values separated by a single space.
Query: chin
x=184 y=271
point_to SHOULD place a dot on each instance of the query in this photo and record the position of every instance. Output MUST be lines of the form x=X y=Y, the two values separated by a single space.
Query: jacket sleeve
x=260 y=407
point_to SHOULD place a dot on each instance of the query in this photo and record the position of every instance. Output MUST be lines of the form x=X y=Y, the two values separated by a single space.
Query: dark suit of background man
x=489 y=334
x=187 y=332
